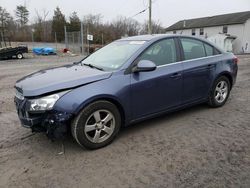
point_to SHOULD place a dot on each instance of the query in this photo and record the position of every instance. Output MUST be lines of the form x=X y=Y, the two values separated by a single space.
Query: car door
x=158 y=90
x=198 y=69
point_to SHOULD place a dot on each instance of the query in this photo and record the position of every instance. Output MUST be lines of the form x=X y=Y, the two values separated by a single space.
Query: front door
x=158 y=90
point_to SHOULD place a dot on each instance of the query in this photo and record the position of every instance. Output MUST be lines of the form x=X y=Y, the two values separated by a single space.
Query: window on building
x=192 y=48
x=201 y=31
x=161 y=53
x=225 y=29
x=174 y=32
x=193 y=31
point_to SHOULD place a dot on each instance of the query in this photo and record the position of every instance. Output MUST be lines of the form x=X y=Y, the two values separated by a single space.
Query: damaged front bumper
x=54 y=123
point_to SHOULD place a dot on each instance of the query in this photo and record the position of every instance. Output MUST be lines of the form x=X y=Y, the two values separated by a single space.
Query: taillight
x=236 y=60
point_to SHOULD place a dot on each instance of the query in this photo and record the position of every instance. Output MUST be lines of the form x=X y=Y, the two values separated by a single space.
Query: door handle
x=210 y=66
x=175 y=75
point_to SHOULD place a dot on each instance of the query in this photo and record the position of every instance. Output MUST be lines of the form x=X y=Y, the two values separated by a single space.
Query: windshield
x=114 y=55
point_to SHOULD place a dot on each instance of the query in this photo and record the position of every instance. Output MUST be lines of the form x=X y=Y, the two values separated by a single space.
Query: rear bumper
x=235 y=73
x=53 y=123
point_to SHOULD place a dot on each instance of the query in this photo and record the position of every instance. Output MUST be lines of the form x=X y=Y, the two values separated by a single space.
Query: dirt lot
x=196 y=147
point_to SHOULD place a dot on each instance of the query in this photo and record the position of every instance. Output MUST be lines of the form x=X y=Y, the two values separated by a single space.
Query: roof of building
x=219 y=20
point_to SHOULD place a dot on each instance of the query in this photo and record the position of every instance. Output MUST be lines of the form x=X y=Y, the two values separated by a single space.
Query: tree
x=58 y=24
x=7 y=25
x=74 y=22
x=156 y=28
x=41 y=26
x=5 y=19
x=123 y=26
x=22 y=15
x=93 y=23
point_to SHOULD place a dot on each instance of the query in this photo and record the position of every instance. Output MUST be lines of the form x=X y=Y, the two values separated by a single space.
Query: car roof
x=156 y=36
x=146 y=37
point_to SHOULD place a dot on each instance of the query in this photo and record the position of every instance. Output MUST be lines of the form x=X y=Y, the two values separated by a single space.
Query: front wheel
x=96 y=125
x=220 y=92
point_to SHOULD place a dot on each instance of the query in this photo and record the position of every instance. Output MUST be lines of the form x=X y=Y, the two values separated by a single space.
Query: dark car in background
x=125 y=82
x=10 y=52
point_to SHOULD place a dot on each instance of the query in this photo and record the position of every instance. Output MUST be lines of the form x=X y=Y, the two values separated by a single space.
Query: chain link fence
x=73 y=42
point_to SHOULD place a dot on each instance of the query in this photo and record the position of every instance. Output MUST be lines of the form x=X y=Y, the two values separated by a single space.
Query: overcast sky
x=166 y=11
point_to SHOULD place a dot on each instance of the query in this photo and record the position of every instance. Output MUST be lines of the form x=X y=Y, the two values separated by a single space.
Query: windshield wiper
x=93 y=66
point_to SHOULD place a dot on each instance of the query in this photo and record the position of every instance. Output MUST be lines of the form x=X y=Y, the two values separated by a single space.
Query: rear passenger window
x=209 y=49
x=161 y=53
x=216 y=52
x=192 y=48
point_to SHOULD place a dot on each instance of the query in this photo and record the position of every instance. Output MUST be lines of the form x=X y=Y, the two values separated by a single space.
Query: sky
x=167 y=12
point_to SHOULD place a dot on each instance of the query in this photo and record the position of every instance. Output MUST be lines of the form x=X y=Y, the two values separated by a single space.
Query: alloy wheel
x=99 y=126
x=221 y=91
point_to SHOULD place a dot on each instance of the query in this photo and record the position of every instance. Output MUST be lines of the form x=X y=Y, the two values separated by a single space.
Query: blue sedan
x=125 y=82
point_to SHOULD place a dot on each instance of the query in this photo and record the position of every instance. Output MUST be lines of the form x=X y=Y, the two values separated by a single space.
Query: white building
x=235 y=24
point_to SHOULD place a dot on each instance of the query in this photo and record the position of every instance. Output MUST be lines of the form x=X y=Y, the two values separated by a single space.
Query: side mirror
x=144 y=66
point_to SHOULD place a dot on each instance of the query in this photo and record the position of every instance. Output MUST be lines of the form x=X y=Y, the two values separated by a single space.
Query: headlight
x=44 y=103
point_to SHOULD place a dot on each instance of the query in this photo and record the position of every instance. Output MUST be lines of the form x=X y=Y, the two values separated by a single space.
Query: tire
x=219 y=93
x=19 y=55
x=94 y=131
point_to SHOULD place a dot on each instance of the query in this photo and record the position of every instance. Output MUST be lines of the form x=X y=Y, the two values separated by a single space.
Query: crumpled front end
x=54 y=123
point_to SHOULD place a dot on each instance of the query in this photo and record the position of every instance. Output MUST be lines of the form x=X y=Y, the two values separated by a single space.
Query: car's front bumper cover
x=54 y=123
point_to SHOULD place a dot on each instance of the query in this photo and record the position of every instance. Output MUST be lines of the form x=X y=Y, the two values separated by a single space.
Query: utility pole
x=82 y=49
x=102 y=40
x=88 y=39
x=150 y=18
x=66 y=37
x=56 y=40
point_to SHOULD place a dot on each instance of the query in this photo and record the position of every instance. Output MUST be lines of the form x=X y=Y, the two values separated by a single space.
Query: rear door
x=198 y=69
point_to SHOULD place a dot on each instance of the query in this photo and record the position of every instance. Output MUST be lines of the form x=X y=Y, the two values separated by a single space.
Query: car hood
x=59 y=78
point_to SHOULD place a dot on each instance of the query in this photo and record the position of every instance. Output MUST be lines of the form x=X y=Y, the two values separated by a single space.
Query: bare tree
x=93 y=25
x=156 y=27
x=123 y=26
x=44 y=29
x=41 y=26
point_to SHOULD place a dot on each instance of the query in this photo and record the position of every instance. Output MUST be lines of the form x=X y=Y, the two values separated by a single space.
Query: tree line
x=17 y=27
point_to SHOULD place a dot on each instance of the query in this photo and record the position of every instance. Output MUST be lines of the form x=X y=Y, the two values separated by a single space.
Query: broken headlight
x=44 y=103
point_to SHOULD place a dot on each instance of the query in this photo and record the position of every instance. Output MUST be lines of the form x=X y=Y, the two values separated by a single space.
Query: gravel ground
x=196 y=147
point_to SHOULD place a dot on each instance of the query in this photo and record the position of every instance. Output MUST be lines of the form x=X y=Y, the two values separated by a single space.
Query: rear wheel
x=220 y=92
x=96 y=125
x=19 y=55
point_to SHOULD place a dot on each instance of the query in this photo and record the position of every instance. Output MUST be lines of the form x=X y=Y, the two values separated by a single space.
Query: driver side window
x=161 y=53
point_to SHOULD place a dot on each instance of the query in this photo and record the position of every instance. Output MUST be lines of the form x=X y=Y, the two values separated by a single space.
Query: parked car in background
x=125 y=82
x=10 y=52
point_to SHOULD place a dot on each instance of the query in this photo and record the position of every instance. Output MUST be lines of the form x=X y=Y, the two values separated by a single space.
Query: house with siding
x=234 y=24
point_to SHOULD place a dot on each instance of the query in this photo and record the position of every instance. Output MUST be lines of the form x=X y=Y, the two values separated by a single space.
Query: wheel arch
x=228 y=76
x=18 y=52
x=108 y=98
